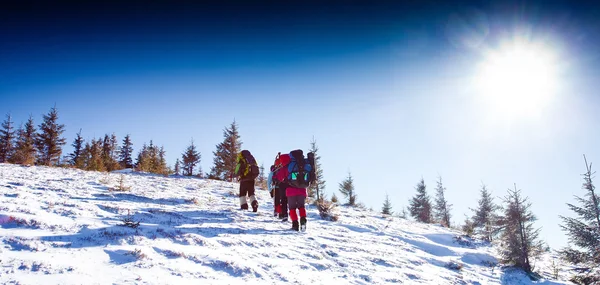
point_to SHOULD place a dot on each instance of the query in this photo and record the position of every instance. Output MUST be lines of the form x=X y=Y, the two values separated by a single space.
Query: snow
x=64 y=226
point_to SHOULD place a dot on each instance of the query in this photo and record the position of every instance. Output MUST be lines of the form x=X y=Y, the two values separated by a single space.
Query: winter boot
x=295 y=226
x=244 y=207
x=254 y=206
x=303 y=223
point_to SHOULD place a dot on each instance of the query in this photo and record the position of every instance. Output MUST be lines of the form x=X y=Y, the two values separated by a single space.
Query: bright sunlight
x=518 y=80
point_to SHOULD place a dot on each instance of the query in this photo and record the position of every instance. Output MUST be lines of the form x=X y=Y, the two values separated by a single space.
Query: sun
x=518 y=80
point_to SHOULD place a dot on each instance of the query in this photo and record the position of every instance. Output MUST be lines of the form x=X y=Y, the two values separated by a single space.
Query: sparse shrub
x=326 y=209
x=334 y=199
x=194 y=201
x=105 y=179
x=137 y=253
x=128 y=221
x=555 y=268
x=122 y=186
x=453 y=265
x=463 y=240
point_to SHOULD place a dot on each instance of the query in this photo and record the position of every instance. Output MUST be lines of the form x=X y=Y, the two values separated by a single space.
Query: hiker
x=298 y=173
x=272 y=187
x=246 y=170
x=281 y=200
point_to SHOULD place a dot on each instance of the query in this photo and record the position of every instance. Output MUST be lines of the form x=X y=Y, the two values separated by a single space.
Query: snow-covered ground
x=66 y=227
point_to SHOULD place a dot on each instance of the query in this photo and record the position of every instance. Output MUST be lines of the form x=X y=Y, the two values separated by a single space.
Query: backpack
x=300 y=170
x=247 y=165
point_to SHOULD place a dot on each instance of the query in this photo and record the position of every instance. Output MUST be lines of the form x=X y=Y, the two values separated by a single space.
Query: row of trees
x=28 y=146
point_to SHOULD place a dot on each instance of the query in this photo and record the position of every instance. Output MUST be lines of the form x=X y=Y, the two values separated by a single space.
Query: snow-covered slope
x=66 y=228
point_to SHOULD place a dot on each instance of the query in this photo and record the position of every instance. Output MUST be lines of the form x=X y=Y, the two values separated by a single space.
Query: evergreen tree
x=347 y=189
x=7 y=136
x=126 y=153
x=584 y=232
x=109 y=150
x=420 y=205
x=76 y=159
x=334 y=198
x=225 y=156
x=486 y=221
x=442 y=207
x=25 y=152
x=95 y=161
x=143 y=159
x=387 y=206
x=177 y=165
x=49 y=141
x=520 y=241
x=261 y=180
x=190 y=158
x=317 y=187
x=161 y=166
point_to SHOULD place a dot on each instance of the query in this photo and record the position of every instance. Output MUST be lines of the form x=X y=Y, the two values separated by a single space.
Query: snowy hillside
x=66 y=227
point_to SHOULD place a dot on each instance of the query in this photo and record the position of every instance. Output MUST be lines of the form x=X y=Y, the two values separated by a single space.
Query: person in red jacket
x=296 y=196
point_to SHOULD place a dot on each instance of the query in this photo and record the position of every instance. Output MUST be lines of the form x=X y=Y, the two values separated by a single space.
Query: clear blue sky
x=385 y=89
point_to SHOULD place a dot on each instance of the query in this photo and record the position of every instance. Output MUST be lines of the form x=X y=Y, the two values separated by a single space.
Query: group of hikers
x=289 y=176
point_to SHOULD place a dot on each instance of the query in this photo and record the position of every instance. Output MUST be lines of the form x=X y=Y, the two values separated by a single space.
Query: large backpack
x=300 y=170
x=248 y=167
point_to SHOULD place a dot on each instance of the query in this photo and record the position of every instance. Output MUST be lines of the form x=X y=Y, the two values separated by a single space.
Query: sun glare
x=518 y=80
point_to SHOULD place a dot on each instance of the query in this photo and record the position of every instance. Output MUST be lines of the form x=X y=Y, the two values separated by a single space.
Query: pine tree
x=334 y=198
x=420 y=205
x=442 y=207
x=387 y=206
x=347 y=189
x=109 y=150
x=485 y=220
x=520 y=242
x=161 y=166
x=584 y=232
x=126 y=152
x=7 y=136
x=190 y=158
x=25 y=151
x=261 y=180
x=143 y=159
x=226 y=154
x=177 y=165
x=49 y=141
x=76 y=159
x=318 y=186
x=95 y=161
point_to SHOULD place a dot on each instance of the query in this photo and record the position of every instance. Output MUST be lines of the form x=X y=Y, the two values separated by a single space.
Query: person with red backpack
x=247 y=170
x=298 y=173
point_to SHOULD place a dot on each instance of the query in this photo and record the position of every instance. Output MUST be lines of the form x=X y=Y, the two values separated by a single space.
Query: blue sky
x=386 y=90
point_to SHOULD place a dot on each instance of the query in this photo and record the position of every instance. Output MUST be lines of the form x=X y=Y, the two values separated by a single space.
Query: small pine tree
x=347 y=189
x=7 y=136
x=25 y=151
x=109 y=150
x=177 y=165
x=318 y=186
x=76 y=159
x=584 y=232
x=161 y=166
x=261 y=180
x=420 y=205
x=334 y=198
x=190 y=158
x=93 y=151
x=442 y=207
x=226 y=154
x=386 y=209
x=126 y=152
x=520 y=241
x=49 y=141
x=485 y=220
